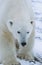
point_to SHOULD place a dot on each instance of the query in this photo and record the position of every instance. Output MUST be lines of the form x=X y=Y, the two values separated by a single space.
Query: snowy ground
x=37 y=8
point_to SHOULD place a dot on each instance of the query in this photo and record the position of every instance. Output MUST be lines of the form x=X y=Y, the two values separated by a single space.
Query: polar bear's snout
x=23 y=43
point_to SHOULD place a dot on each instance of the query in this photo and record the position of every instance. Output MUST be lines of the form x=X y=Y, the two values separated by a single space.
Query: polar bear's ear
x=9 y=25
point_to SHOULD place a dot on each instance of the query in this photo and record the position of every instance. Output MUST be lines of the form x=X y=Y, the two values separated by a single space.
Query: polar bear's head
x=21 y=30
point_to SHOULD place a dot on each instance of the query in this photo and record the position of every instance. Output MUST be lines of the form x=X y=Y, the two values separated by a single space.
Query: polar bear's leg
x=11 y=61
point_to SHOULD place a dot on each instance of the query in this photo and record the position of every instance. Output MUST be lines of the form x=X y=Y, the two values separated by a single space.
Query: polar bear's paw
x=21 y=56
x=26 y=57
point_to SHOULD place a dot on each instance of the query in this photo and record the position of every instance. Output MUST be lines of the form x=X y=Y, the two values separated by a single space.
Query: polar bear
x=23 y=28
x=16 y=27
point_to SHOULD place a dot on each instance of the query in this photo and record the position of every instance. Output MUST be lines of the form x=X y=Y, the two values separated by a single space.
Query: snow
x=37 y=8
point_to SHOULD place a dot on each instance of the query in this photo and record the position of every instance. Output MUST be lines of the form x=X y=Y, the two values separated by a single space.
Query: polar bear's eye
x=11 y=23
x=27 y=32
x=18 y=32
x=31 y=22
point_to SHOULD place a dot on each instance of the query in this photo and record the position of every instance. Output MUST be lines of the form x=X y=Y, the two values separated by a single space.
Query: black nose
x=23 y=43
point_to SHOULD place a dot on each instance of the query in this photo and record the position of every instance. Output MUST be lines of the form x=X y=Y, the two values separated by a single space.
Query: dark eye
x=11 y=23
x=18 y=32
x=31 y=22
x=27 y=32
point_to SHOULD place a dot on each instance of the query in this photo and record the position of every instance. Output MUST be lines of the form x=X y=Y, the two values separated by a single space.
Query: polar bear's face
x=21 y=31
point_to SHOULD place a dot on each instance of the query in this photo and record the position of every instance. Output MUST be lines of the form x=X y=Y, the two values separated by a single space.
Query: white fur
x=20 y=13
